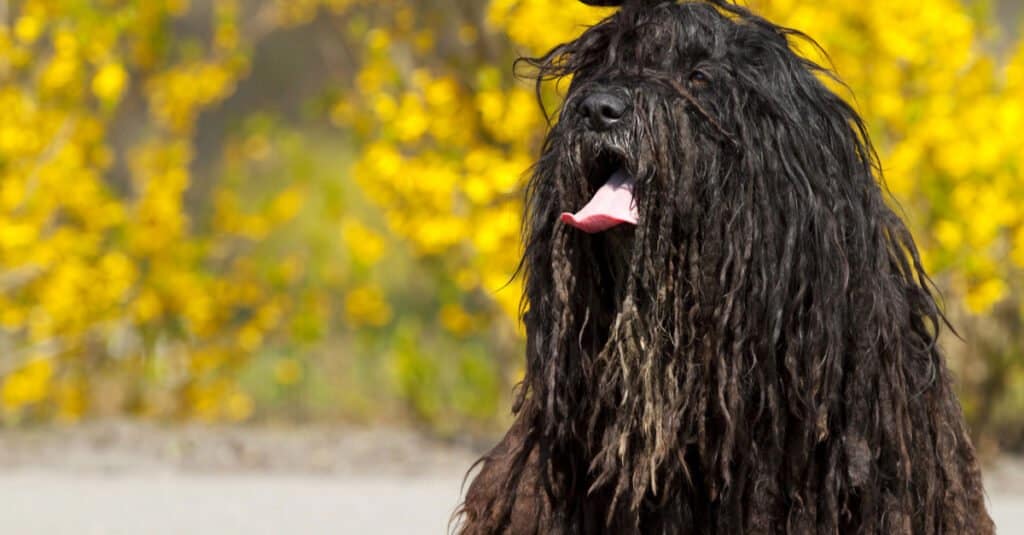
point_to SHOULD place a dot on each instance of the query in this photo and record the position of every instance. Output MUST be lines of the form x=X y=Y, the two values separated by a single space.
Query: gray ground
x=137 y=479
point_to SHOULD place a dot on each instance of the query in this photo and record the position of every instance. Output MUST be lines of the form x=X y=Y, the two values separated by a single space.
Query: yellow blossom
x=109 y=82
x=981 y=297
x=28 y=385
x=27 y=29
x=455 y=319
x=366 y=305
x=366 y=245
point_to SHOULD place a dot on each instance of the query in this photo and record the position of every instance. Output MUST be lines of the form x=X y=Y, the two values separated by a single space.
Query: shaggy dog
x=729 y=331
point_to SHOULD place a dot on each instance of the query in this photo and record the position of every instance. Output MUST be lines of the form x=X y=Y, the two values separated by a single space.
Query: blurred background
x=304 y=214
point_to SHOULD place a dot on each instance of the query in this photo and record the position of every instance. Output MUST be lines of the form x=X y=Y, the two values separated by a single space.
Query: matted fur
x=758 y=355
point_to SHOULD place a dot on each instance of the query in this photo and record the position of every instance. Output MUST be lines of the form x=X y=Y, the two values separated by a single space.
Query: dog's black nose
x=602 y=110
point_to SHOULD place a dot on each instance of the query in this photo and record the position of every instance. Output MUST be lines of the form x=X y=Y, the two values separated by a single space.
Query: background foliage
x=234 y=210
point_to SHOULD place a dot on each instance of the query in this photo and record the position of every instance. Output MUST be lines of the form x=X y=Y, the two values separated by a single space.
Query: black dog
x=733 y=333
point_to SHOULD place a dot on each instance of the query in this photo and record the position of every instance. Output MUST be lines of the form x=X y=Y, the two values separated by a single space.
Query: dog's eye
x=698 y=79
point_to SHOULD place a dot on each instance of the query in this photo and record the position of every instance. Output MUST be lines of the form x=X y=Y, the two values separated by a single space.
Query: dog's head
x=691 y=135
x=669 y=100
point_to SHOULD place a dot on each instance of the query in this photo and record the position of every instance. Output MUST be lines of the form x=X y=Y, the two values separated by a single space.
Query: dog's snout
x=603 y=110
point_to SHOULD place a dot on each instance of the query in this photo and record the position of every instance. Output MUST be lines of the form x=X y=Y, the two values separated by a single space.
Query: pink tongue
x=612 y=205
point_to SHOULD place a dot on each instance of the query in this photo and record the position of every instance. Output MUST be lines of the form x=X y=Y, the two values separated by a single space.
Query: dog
x=729 y=331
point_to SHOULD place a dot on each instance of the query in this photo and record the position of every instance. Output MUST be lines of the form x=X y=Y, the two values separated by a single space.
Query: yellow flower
x=286 y=205
x=239 y=406
x=455 y=319
x=28 y=385
x=377 y=40
x=949 y=234
x=109 y=82
x=982 y=297
x=250 y=337
x=366 y=305
x=59 y=73
x=27 y=29
x=15 y=234
x=412 y=121
x=71 y=401
x=147 y=306
x=366 y=245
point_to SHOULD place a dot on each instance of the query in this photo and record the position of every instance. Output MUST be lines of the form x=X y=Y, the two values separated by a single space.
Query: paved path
x=48 y=503
x=137 y=479
x=58 y=503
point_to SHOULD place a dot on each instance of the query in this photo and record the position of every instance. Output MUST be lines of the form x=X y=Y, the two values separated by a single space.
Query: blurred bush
x=138 y=276
x=229 y=210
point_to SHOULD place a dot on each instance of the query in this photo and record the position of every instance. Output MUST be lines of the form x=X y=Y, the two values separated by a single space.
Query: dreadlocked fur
x=758 y=354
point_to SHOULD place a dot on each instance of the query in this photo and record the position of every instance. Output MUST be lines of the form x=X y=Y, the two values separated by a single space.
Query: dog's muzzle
x=601 y=110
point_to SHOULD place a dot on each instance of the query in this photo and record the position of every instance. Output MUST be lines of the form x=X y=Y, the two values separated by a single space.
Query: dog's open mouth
x=612 y=203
